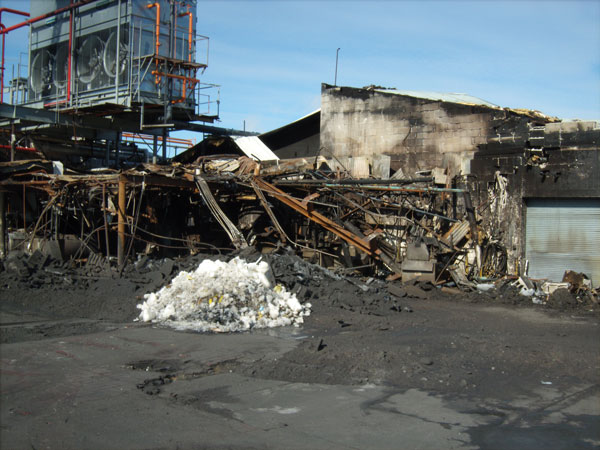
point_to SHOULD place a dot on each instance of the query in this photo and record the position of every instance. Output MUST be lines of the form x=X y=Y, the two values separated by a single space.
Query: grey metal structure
x=100 y=70
x=118 y=54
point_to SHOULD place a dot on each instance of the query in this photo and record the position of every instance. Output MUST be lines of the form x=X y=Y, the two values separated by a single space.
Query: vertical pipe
x=157 y=38
x=117 y=150
x=130 y=57
x=13 y=141
x=105 y=221
x=107 y=153
x=118 y=50
x=154 y=149
x=121 y=223
x=172 y=21
x=2 y=224
x=2 y=68
x=70 y=59
x=24 y=209
x=139 y=64
x=164 y=144
x=12 y=86
x=190 y=36
x=171 y=53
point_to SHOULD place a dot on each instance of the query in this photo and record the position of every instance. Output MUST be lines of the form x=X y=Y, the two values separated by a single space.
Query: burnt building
x=535 y=179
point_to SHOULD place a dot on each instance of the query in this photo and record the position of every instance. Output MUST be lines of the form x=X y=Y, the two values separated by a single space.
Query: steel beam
x=191 y=126
x=328 y=224
x=43 y=116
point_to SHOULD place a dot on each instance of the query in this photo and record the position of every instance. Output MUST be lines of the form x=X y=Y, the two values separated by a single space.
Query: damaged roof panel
x=452 y=97
x=254 y=148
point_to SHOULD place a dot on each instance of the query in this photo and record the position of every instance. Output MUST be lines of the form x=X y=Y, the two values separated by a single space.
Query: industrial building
x=445 y=186
x=535 y=178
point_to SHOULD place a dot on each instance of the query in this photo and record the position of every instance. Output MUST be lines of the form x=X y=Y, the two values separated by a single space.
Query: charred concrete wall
x=510 y=156
x=555 y=161
x=417 y=133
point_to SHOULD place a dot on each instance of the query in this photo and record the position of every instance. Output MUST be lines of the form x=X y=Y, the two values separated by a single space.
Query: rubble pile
x=222 y=297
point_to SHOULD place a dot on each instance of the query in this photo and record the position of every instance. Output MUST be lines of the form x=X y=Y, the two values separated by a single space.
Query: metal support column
x=107 y=153
x=121 y=222
x=2 y=225
x=154 y=149
x=13 y=141
x=164 y=144
x=117 y=148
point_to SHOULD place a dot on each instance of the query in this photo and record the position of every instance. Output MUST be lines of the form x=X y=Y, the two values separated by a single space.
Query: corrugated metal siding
x=563 y=234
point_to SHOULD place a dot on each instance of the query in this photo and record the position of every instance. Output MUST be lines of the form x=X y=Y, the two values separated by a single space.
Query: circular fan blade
x=41 y=71
x=109 y=59
x=89 y=58
x=61 y=66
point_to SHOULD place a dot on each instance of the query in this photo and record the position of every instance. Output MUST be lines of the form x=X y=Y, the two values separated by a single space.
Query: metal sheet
x=563 y=234
x=254 y=148
x=464 y=99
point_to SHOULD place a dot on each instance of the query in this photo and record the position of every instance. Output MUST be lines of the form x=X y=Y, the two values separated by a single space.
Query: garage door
x=563 y=235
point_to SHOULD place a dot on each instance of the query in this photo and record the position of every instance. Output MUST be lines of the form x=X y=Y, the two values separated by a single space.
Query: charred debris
x=423 y=225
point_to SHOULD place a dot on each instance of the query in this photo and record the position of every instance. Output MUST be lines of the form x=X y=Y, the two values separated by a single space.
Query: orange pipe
x=185 y=82
x=157 y=5
x=189 y=14
x=172 y=75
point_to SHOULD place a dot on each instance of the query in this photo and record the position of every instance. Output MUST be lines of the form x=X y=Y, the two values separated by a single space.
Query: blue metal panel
x=563 y=234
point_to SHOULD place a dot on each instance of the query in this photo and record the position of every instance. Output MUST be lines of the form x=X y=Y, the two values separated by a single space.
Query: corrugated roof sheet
x=441 y=96
x=254 y=148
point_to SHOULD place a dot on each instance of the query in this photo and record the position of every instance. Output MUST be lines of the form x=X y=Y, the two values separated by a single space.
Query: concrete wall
x=417 y=133
x=558 y=160
x=509 y=155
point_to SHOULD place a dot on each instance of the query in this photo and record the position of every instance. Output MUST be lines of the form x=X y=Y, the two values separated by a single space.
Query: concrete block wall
x=417 y=133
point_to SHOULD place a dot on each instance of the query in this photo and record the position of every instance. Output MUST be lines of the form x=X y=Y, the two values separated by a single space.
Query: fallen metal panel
x=254 y=148
x=563 y=234
x=458 y=231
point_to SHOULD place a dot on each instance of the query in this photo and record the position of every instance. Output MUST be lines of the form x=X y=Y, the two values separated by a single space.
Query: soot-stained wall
x=556 y=161
x=417 y=133
x=509 y=155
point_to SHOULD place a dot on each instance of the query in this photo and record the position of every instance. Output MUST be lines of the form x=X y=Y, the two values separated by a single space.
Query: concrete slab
x=92 y=391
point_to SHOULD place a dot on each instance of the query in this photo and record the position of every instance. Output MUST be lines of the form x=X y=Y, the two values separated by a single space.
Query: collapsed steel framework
x=406 y=228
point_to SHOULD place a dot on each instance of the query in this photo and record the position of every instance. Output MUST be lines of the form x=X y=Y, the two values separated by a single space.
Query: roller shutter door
x=563 y=234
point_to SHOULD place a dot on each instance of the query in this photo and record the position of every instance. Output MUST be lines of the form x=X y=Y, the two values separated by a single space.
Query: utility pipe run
x=157 y=38
x=193 y=81
x=45 y=16
x=4 y=30
x=25 y=149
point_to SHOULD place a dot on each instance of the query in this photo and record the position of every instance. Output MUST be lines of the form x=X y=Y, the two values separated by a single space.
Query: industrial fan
x=111 y=62
x=89 y=59
x=41 y=72
x=61 y=66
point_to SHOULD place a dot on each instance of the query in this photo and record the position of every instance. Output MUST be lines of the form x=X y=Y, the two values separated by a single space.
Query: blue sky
x=270 y=57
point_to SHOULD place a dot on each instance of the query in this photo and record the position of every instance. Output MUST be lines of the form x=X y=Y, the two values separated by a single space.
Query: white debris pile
x=223 y=296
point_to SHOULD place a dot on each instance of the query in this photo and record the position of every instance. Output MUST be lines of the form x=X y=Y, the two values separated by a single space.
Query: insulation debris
x=223 y=297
